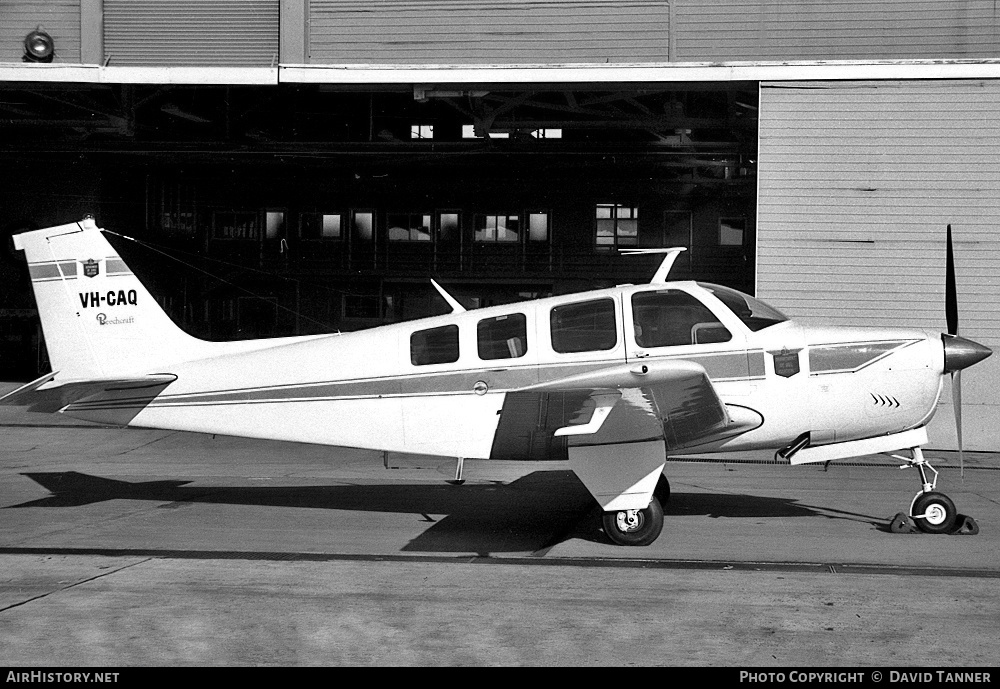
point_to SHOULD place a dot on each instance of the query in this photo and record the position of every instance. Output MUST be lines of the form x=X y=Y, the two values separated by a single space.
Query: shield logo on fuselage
x=91 y=268
x=786 y=362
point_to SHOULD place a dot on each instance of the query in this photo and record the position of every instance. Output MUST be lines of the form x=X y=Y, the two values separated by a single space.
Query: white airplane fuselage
x=363 y=389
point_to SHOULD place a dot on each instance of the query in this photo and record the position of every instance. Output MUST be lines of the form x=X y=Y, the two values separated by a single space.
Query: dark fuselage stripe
x=720 y=367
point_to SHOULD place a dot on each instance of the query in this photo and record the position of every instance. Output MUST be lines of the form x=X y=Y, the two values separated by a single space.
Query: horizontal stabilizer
x=93 y=399
x=24 y=394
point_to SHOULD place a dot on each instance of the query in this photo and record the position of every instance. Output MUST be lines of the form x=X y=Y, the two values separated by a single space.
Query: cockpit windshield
x=754 y=313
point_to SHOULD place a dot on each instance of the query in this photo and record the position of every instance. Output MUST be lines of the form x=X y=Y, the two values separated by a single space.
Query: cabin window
x=434 y=346
x=587 y=326
x=755 y=314
x=503 y=337
x=668 y=318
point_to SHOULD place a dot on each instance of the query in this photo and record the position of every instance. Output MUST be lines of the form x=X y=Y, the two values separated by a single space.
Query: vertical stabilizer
x=99 y=321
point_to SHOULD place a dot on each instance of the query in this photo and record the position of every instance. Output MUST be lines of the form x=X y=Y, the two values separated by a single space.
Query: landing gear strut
x=635 y=527
x=931 y=511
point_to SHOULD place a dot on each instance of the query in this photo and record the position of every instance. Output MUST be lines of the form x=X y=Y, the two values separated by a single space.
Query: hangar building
x=296 y=166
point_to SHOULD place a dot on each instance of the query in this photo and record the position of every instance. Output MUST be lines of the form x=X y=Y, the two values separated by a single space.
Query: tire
x=645 y=528
x=940 y=510
x=662 y=490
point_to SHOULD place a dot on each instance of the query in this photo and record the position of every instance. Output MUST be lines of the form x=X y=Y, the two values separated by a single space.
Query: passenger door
x=672 y=323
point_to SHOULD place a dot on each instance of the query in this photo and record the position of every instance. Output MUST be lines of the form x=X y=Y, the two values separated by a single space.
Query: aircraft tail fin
x=99 y=321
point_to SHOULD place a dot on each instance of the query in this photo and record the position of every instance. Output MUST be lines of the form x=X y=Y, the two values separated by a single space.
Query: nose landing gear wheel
x=634 y=527
x=934 y=512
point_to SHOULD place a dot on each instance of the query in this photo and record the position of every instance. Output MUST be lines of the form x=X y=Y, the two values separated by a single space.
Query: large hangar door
x=857 y=184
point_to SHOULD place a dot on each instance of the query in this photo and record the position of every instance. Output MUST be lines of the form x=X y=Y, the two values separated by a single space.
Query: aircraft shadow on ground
x=532 y=513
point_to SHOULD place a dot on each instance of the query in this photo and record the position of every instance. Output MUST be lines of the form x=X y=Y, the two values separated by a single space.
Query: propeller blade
x=950 y=289
x=956 y=401
x=951 y=315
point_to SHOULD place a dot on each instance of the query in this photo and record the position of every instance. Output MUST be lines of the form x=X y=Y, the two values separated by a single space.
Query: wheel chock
x=902 y=523
x=966 y=526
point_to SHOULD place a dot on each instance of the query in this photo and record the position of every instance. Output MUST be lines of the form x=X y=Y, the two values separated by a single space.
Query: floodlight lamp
x=39 y=47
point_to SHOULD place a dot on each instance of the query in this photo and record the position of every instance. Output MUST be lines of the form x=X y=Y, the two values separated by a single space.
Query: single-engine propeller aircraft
x=612 y=380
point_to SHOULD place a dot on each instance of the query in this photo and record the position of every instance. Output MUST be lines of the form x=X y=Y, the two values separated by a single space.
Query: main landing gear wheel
x=634 y=527
x=662 y=490
x=934 y=512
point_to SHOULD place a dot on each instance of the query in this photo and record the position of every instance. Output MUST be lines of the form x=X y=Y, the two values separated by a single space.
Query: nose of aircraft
x=961 y=353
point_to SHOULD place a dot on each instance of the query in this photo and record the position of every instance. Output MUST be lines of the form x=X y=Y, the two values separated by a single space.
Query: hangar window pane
x=422 y=131
x=678 y=230
x=434 y=346
x=498 y=228
x=731 y=231
x=502 y=337
x=235 y=225
x=668 y=318
x=409 y=227
x=274 y=224
x=449 y=227
x=587 y=326
x=175 y=209
x=538 y=227
x=362 y=306
x=364 y=226
x=321 y=225
x=616 y=226
x=469 y=132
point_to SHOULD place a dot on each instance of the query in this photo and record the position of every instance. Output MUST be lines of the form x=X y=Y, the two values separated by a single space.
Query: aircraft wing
x=673 y=401
x=107 y=400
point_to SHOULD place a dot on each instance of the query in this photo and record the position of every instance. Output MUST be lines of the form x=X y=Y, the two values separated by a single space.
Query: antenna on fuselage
x=452 y=302
x=660 y=277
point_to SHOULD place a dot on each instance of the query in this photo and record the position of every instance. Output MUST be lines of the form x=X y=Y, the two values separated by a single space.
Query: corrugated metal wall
x=857 y=184
x=60 y=18
x=489 y=31
x=246 y=32
x=561 y=31
x=834 y=29
x=191 y=32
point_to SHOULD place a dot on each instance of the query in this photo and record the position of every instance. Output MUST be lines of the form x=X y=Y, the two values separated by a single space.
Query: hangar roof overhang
x=506 y=74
